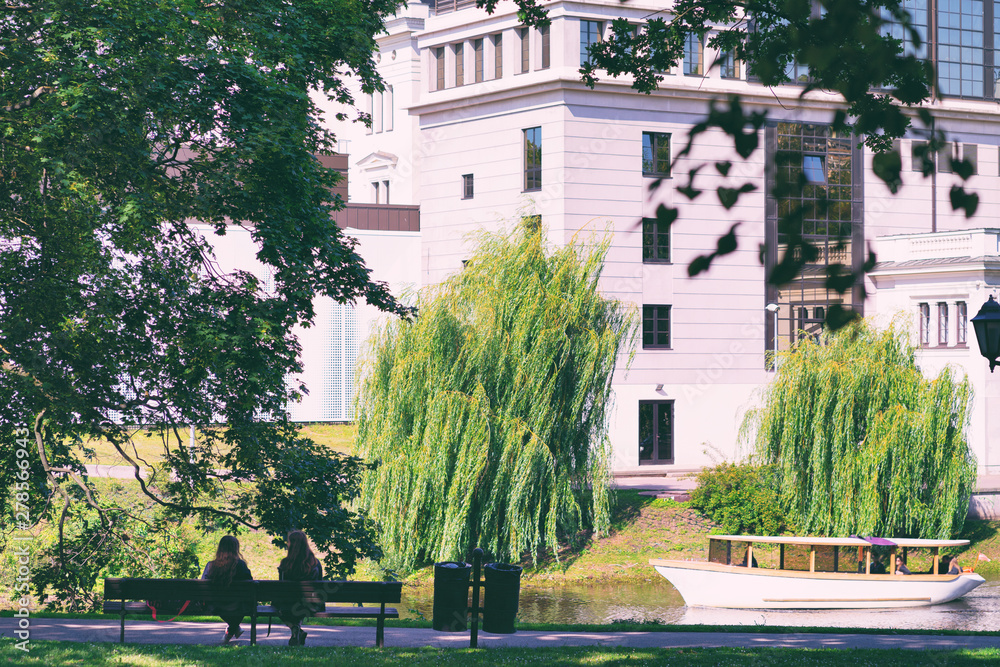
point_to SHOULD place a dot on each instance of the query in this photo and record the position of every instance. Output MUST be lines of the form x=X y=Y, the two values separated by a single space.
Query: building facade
x=484 y=120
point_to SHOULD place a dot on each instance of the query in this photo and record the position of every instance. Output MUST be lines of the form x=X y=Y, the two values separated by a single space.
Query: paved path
x=147 y=632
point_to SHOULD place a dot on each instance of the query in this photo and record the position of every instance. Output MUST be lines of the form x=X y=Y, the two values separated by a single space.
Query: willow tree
x=863 y=443
x=487 y=414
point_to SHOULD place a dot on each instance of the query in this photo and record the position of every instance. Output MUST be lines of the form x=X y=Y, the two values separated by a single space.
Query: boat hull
x=735 y=587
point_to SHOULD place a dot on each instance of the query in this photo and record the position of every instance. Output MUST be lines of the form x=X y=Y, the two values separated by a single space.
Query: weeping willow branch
x=487 y=413
x=863 y=442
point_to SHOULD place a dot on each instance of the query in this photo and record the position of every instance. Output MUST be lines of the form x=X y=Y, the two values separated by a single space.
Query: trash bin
x=503 y=589
x=451 y=596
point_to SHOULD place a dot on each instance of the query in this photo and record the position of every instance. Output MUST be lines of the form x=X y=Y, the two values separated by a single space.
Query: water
x=658 y=601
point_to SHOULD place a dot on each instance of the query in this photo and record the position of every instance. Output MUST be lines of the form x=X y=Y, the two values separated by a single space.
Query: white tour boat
x=813 y=573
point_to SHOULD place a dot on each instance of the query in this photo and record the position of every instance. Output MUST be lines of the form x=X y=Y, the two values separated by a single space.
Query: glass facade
x=533 y=159
x=823 y=171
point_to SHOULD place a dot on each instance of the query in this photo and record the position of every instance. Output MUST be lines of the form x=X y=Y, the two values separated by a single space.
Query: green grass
x=55 y=654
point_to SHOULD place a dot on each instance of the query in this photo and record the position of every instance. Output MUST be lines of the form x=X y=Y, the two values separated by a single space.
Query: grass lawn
x=54 y=654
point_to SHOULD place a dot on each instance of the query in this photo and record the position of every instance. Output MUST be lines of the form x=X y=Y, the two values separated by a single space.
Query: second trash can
x=503 y=589
x=451 y=596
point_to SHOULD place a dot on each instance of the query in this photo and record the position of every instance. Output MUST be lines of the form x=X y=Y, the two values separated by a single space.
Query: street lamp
x=774 y=308
x=987 y=326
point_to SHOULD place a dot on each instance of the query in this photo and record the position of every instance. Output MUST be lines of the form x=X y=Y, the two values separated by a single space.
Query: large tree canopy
x=862 y=443
x=121 y=121
x=486 y=416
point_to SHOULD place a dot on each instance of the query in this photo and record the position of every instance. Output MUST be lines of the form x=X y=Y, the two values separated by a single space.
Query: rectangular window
x=546 y=47
x=525 y=50
x=388 y=102
x=656 y=432
x=467 y=186
x=925 y=324
x=498 y=55
x=385 y=186
x=460 y=64
x=477 y=49
x=921 y=160
x=370 y=110
x=532 y=159
x=694 y=55
x=655 y=327
x=375 y=189
x=729 y=66
x=439 y=68
x=590 y=33
x=655 y=154
x=942 y=323
x=377 y=112
x=945 y=155
x=962 y=320
x=970 y=153
x=655 y=241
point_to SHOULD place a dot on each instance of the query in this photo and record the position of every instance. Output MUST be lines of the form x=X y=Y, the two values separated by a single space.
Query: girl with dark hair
x=228 y=567
x=299 y=565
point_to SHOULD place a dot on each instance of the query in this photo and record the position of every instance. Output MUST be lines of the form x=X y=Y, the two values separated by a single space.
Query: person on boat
x=953 y=566
x=743 y=563
x=878 y=566
x=901 y=566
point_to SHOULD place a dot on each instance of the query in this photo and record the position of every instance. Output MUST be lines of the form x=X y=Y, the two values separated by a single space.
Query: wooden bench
x=128 y=596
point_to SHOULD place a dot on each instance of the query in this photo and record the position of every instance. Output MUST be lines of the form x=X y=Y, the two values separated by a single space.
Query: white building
x=484 y=119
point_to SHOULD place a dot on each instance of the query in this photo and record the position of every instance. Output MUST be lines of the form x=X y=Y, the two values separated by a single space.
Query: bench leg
x=380 y=632
x=253 y=629
x=121 y=637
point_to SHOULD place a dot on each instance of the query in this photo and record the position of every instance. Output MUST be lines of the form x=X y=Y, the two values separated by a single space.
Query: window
x=439 y=68
x=377 y=113
x=467 y=186
x=546 y=47
x=814 y=168
x=375 y=189
x=962 y=320
x=655 y=327
x=925 y=324
x=942 y=323
x=655 y=241
x=921 y=159
x=590 y=33
x=387 y=111
x=525 y=50
x=533 y=159
x=385 y=187
x=477 y=49
x=532 y=223
x=655 y=154
x=656 y=432
x=459 y=64
x=729 y=66
x=498 y=55
x=970 y=152
x=370 y=110
x=694 y=55
x=945 y=155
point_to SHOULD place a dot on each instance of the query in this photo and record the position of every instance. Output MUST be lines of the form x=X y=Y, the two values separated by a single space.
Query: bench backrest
x=202 y=590
x=372 y=592
x=196 y=590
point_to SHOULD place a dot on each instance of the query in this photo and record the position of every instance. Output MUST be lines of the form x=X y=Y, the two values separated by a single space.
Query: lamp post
x=987 y=326
x=774 y=308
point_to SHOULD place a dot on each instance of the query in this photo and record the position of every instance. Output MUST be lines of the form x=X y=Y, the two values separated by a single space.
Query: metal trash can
x=503 y=590
x=451 y=596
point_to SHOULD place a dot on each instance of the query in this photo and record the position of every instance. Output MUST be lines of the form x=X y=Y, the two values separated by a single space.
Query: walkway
x=147 y=632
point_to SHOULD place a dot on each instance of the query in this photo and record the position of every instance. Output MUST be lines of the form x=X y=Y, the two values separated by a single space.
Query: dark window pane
x=646 y=431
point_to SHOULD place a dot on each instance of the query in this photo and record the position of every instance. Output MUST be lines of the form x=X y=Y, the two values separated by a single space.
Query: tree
x=867 y=51
x=123 y=121
x=486 y=416
x=862 y=443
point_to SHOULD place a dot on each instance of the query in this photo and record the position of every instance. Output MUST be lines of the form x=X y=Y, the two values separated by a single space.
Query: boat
x=813 y=573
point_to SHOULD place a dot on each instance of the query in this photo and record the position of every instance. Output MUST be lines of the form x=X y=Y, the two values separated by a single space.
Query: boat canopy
x=909 y=543
x=804 y=541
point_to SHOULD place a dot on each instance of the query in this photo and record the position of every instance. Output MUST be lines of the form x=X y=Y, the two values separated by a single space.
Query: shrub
x=741 y=498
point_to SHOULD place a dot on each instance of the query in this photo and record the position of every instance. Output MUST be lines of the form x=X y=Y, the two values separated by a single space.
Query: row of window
x=380 y=109
x=487 y=57
x=655 y=161
x=944 y=324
